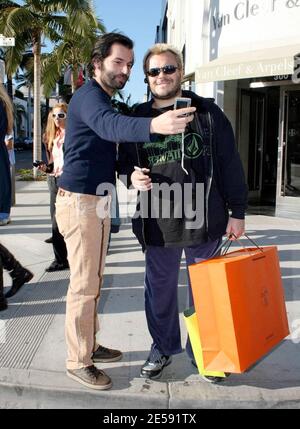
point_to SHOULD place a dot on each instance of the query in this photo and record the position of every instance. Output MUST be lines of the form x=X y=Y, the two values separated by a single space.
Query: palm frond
x=6 y=3
x=66 y=6
x=27 y=62
x=16 y=20
x=51 y=71
x=14 y=54
x=34 y=4
x=54 y=27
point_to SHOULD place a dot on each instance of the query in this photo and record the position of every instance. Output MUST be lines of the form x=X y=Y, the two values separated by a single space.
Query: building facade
x=244 y=54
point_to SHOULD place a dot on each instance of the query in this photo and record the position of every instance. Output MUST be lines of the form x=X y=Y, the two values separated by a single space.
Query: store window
x=291 y=164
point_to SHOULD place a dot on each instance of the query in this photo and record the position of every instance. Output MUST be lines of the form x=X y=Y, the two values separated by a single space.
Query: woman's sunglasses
x=59 y=115
x=155 y=71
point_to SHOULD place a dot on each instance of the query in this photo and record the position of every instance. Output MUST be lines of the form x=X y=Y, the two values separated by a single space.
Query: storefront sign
x=239 y=26
x=7 y=41
x=214 y=72
x=247 y=9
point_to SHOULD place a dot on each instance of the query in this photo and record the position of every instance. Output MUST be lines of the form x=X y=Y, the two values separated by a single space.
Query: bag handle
x=227 y=244
x=253 y=242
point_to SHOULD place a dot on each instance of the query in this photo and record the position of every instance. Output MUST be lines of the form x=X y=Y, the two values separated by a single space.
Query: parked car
x=28 y=143
x=19 y=144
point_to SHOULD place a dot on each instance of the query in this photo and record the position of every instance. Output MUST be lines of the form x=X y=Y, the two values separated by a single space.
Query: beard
x=113 y=81
x=171 y=93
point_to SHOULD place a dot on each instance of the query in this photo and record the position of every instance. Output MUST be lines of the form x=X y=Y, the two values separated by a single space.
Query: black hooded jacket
x=211 y=158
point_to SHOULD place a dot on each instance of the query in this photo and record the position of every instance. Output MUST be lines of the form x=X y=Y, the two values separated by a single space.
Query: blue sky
x=138 y=20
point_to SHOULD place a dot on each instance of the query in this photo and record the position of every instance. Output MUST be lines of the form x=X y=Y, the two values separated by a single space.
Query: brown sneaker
x=91 y=376
x=104 y=355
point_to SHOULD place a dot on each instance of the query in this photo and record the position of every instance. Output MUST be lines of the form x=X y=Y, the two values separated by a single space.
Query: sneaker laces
x=103 y=349
x=155 y=356
x=94 y=371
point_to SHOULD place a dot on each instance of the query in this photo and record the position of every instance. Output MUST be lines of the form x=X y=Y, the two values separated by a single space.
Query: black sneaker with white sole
x=105 y=355
x=154 y=365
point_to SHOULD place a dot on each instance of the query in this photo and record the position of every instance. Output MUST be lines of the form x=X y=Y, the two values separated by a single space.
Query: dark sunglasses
x=155 y=71
x=59 y=115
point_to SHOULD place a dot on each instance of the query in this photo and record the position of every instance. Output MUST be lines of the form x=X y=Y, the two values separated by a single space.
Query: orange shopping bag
x=240 y=307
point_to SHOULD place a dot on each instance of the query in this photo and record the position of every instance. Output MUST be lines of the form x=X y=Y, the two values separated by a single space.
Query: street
x=24 y=159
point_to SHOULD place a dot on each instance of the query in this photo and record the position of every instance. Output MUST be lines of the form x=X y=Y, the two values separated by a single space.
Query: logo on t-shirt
x=193 y=146
x=168 y=150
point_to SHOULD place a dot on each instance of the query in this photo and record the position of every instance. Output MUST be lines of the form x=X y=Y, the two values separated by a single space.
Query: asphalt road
x=24 y=159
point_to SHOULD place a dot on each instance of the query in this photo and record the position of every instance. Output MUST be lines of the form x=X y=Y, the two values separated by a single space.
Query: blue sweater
x=5 y=182
x=92 y=131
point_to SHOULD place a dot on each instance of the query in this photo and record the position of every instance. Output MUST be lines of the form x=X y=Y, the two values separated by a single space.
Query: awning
x=243 y=65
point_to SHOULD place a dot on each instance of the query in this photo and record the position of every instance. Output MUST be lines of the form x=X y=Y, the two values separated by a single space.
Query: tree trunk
x=37 y=148
x=9 y=86
x=74 y=78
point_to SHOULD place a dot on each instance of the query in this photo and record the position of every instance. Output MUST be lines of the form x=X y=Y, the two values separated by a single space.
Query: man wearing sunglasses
x=204 y=165
x=93 y=129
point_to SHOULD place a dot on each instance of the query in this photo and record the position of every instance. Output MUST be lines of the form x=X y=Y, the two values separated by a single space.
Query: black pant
x=58 y=242
x=9 y=263
x=51 y=185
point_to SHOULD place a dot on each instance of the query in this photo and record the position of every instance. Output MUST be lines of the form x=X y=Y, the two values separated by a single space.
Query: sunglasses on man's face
x=155 y=71
x=59 y=115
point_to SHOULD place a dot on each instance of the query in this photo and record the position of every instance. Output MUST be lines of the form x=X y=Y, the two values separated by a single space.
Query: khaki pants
x=86 y=234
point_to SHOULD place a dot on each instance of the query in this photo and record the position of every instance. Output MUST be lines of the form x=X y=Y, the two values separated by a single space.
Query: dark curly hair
x=102 y=48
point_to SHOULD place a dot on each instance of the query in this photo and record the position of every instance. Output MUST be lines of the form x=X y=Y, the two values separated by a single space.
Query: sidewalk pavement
x=32 y=344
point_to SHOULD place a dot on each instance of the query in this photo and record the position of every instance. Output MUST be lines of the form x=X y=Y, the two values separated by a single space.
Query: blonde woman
x=48 y=156
x=18 y=273
x=54 y=137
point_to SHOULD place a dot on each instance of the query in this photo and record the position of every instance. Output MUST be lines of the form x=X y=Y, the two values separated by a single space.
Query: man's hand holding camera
x=172 y=122
x=140 y=180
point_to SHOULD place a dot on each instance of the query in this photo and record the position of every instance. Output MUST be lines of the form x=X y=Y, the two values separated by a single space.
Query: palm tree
x=29 y=23
x=123 y=106
x=70 y=54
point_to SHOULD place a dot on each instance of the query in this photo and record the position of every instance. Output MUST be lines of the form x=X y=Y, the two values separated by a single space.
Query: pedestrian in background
x=54 y=137
x=19 y=274
x=49 y=180
x=6 y=124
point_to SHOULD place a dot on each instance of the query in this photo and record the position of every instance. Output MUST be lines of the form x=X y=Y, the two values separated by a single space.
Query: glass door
x=288 y=179
x=290 y=175
x=252 y=125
